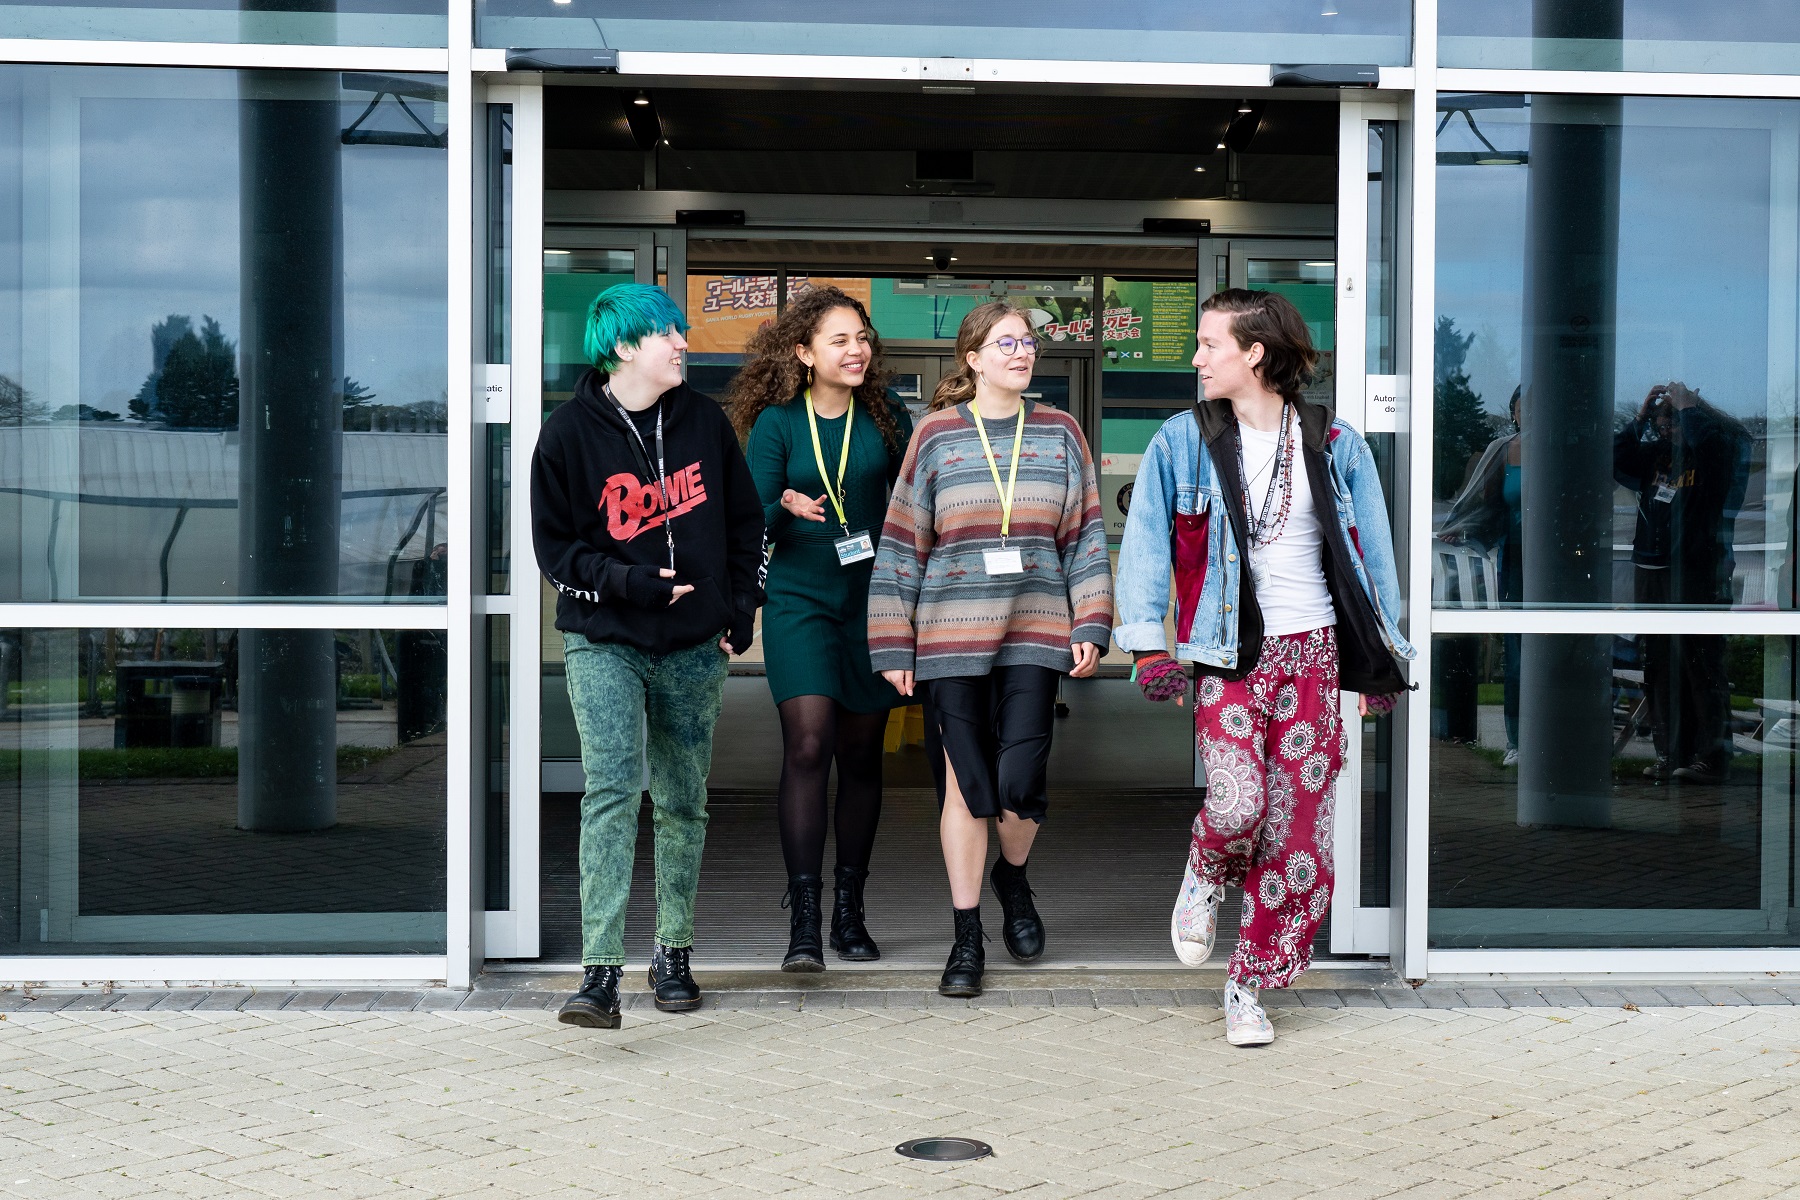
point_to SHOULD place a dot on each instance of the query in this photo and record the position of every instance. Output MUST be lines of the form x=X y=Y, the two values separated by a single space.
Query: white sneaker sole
x=1249 y=1037
x=1191 y=954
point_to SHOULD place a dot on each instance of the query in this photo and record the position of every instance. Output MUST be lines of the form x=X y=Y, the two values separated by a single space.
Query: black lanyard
x=662 y=475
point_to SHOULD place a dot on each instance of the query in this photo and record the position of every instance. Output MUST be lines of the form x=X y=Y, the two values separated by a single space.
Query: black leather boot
x=595 y=1004
x=804 y=954
x=671 y=980
x=849 y=936
x=968 y=958
x=1020 y=926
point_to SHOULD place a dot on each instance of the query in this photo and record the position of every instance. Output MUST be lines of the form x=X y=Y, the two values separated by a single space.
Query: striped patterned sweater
x=933 y=609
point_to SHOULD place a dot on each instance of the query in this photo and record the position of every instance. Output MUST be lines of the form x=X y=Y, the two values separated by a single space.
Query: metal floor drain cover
x=944 y=1149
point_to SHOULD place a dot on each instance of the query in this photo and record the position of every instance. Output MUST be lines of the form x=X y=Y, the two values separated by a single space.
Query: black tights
x=814 y=731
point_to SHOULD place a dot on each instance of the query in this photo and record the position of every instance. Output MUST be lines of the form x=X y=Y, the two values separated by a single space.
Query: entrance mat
x=1105 y=870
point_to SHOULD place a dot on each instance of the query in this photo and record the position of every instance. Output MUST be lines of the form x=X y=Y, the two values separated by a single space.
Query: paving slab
x=807 y=1102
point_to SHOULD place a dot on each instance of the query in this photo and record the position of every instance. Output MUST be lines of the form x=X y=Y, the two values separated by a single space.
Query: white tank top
x=1290 y=571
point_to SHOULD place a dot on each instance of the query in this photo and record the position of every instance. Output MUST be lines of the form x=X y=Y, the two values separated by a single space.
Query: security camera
x=941 y=258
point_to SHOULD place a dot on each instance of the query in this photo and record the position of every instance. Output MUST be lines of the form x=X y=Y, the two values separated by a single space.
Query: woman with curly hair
x=825 y=446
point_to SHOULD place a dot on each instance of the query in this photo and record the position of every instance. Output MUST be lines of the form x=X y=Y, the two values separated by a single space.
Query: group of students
x=961 y=564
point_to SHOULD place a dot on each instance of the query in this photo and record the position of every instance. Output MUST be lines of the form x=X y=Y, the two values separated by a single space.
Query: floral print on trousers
x=1272 y=744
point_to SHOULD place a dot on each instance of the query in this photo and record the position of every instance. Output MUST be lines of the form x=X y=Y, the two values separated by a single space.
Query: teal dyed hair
x=624 y=315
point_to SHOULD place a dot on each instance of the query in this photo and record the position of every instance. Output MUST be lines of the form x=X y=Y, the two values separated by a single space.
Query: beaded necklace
x=1267 y=531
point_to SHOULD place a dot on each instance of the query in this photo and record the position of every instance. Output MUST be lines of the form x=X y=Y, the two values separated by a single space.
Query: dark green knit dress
x=816 y=618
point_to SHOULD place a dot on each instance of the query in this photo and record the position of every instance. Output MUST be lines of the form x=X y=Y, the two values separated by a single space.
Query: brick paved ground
x=1112 y=1094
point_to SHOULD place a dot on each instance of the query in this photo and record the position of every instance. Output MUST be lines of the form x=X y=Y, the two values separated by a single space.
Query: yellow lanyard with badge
x=1004 y=561
x=852 y=547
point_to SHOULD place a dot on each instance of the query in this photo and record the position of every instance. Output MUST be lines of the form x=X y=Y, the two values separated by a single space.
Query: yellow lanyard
x=836 y=493
x=1012 y=473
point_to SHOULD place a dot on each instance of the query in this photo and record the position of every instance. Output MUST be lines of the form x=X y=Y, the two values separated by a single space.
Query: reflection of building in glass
x=134 y=512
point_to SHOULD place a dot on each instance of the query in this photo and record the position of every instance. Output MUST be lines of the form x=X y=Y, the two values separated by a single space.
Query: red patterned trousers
x=1272 y=744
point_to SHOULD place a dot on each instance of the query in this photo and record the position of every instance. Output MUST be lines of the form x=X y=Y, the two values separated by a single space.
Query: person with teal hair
x=646 y=521
x=622 y=316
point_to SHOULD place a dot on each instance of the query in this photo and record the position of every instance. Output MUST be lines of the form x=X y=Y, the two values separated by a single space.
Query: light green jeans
x=616 y=692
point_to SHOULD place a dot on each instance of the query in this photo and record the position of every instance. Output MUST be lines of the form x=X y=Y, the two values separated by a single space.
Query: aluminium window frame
x=1414 y=958
x=456 y=616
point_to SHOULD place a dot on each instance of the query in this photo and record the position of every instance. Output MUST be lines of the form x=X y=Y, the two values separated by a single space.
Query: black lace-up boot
x=595 y=1005
x=849 y=936
x=671 y=980
x=804 y=953
x=968 y=957
x=1020 y=926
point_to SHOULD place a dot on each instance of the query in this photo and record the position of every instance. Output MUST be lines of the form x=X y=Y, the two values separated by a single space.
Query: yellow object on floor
x=905 y=727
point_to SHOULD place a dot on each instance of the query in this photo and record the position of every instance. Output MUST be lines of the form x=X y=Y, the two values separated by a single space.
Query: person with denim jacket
x=1263 y=517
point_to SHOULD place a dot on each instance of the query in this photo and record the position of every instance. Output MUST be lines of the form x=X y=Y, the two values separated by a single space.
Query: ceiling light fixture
x=1243 y=107
x=641 y=99
x=1220 y=146
x=1330 y=9
x=1200 y=170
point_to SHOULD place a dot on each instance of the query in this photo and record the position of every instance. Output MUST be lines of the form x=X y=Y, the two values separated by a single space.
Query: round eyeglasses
x=1011 y=345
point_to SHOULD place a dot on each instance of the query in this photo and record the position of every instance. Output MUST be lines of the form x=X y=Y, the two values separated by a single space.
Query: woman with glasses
x=825 y=444
x=992 y=580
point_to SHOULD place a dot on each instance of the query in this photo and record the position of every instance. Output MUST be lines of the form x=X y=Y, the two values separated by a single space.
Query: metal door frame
x=514 y=932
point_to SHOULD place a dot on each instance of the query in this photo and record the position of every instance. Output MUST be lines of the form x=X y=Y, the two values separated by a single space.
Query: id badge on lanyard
x=662 y=475
x=1006 y=560
x=1003 y=562
x=852 y=547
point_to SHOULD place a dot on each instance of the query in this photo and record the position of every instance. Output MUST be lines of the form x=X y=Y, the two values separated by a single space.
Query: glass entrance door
x=1119 y=334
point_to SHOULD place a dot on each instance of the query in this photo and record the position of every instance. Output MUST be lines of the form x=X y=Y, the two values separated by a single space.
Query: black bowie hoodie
x=597 y=523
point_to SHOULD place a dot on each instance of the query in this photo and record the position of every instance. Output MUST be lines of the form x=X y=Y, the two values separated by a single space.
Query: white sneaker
x=1511 y=757
x=1246 y=1024
x=1196 y=919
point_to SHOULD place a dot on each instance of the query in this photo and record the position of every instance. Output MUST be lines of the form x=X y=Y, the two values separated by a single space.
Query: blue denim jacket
x=1172 y=537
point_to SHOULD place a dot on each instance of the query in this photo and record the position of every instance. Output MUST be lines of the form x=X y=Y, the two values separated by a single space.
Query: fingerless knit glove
x=1381 y=706
x=1160 y=677
x=646 y=587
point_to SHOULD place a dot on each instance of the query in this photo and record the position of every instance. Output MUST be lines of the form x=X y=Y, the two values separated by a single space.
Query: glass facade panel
x=1370 y=31
x=222 y=335
x=572 y=278
x=1614 y=396
x=200 y=791
x=1748 y=36
x=1613 y=790
x=287 y=22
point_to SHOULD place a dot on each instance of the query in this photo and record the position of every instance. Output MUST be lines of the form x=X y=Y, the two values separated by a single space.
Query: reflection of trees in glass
x=17 y=407
x=362 y=416
x=84 y=412
x=193 y=381
x=1462 y=427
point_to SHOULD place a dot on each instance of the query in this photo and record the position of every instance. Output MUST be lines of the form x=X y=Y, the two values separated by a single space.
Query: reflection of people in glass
x=1689 y=464
x=1488 y=513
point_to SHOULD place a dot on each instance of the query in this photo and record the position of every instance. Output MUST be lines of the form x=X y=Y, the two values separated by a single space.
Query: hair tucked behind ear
x=773 y=374
x=971 y=336
x=1289 y=360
